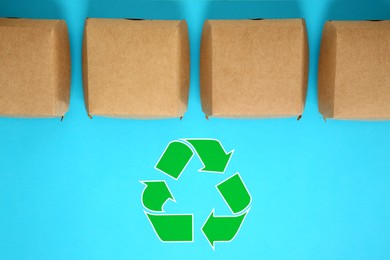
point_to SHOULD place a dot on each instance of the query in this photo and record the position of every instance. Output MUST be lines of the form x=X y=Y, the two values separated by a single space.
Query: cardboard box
x=354 y=70
x=254 y=68
x=136 y=68
x=34 y=68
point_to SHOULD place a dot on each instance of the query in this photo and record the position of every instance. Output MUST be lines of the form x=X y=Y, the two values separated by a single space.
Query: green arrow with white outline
x=173 y=228
x=212 y=154
x=155 y=195
x=174 y=159
x=222 y=228
x=235 y=193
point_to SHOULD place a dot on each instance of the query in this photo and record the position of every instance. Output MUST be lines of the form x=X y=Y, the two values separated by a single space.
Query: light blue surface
x=71 y=190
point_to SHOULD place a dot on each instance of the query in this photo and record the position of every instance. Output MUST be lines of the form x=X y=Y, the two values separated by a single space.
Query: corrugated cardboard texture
x=136 y=68
x=354 y=70
x=34 y=68
x=254 y=68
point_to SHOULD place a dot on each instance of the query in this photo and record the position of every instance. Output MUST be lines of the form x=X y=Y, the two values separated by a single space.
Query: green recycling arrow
x=173 y=228
x=155 y=195
x=235 y=193
x=212 y=154
x=222 y=228
x=174 y=159
x=180 y=227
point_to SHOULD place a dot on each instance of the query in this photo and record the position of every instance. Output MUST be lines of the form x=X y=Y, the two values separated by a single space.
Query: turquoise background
x=70 y=190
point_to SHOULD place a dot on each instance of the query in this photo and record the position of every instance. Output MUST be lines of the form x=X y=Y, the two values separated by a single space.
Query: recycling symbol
x=180 y=227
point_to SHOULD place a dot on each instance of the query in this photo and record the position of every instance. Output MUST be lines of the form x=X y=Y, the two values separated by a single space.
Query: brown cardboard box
x=136 y=68
x=34 y=68
x=354 y=70
x=254 y=68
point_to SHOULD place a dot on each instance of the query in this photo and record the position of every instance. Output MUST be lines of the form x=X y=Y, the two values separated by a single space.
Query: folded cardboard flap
x=353 y=73
x=254 y=68
x=136 y=68
x=34 y=68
